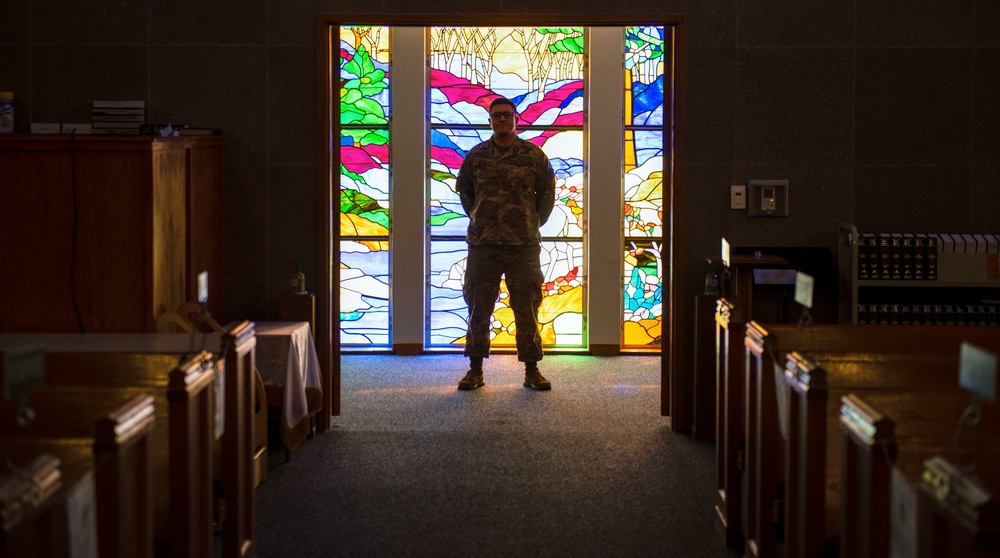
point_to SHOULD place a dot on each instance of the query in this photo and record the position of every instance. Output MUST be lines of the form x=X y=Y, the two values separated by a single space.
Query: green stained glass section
x=643 y=294
x=560 y=314
x=364 y=75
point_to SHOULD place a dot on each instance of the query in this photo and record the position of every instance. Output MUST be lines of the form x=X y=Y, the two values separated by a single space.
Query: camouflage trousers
x=483 y=271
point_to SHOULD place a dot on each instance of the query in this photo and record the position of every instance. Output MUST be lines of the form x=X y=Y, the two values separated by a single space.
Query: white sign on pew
x=24 y=371
x=977 y=371
x=804 y=289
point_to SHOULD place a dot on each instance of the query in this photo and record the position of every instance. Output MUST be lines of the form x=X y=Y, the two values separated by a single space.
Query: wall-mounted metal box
x=767 y=197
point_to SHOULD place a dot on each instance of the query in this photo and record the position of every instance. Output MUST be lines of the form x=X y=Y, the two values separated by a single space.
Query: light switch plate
x=737 y=196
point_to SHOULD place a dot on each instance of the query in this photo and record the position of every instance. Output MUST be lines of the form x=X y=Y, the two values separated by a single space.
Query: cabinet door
x=36 y=242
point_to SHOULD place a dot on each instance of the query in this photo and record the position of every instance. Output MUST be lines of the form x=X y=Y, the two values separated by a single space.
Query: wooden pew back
x=766 y=348
x=883 y=458
x=114 y=449
x=816 y=387
x=184 y=401
x=142 y=361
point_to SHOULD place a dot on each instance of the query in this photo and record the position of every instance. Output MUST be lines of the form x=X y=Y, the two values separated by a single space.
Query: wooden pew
x=142 y=360
x=816 y=386
x=241 y=456
x=35 y=503
x=729 y=429
x=191 y=317
x=883 y=459
x=766 y=346
x=87 y=431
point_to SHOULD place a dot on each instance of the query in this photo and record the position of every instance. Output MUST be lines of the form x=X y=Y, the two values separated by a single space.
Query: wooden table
x=289 y=367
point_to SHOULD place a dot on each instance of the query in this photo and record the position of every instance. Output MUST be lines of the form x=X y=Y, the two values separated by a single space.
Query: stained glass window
x=364 y=186
x=646 y=69
x=541 y=71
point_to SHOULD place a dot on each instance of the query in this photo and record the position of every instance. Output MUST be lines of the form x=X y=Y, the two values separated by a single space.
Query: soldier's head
x=503 y=118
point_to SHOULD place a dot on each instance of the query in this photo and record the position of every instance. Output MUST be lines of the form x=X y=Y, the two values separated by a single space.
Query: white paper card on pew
x=203 y=287
x=978 y=371
x=804 y=289
x=902 y=518
x=781 y=396
x=24 y=371
x=220 y=398
x=81 y=519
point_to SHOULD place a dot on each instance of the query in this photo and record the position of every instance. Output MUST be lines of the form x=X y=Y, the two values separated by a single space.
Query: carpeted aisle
x=414 y=467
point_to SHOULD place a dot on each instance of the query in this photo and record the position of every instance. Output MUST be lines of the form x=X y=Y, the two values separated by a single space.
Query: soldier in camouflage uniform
x=507 y=189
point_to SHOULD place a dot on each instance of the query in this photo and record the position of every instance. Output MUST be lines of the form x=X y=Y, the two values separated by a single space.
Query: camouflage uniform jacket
x=507 y=195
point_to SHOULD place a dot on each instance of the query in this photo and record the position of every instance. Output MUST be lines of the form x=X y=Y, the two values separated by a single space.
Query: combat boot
x=473 y=380
x=534 y=380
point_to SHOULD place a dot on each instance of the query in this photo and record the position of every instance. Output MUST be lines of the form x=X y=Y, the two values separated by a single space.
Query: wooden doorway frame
x=328 y=306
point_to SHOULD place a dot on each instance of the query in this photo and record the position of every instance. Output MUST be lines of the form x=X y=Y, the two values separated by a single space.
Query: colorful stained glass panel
x=644 y=183
x=540 y=69
x=565 y=151
x=644 y=65
x=364 y=293
x=646 y=51
x=364 y=186
x=643 y=294
x=364 y=75
x=560 y=314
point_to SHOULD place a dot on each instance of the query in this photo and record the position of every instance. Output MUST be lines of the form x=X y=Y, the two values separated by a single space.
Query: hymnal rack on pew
x=25 y=489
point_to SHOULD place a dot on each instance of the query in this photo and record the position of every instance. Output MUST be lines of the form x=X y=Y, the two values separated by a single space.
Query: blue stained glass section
x=647 y=103
x=648 y=144
x=364 y=295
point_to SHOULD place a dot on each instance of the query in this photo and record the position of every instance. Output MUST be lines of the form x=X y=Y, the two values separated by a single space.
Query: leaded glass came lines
x=644 y=75
x=364 y=187
x=541 y=71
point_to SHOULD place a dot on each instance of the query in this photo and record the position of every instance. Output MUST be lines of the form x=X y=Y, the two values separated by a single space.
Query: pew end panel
x=764 y=442
x=729 y=427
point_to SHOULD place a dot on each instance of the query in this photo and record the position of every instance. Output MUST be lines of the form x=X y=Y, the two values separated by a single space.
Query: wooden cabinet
x=104 y=233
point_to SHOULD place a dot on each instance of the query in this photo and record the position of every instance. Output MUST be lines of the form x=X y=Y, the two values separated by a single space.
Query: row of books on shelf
x=927 y=314
x=918 y=257
x=118 y=117
x=129 y=118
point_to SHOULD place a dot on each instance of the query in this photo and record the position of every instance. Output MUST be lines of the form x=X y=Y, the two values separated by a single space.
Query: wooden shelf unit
x=963 y=280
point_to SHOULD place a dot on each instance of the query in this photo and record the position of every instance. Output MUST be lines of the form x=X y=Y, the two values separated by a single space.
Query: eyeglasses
x=505 y=114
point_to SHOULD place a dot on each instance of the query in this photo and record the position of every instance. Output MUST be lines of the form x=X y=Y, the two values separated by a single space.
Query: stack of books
x=28 y=488
x=118 y=117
